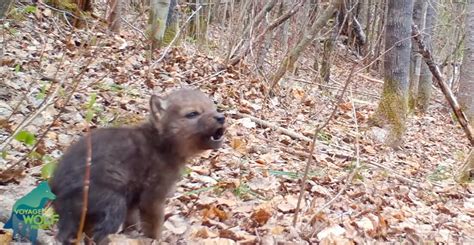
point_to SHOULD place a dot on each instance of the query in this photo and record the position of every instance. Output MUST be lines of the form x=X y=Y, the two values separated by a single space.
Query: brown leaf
x=5 y=237
x=217 y=241
x=6 y=61
x=4 y=124
x=345 y=106
x=239 y=145
x=370 y=149
x=228 y=234
x=260 y=217
x=214 y=212
x=11 y=175
x=277 y=230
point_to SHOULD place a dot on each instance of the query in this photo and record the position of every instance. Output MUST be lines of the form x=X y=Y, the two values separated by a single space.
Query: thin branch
x=261 y=36
x=313 y=144
x=133 y=27
x=351 y=175
x=277 y=128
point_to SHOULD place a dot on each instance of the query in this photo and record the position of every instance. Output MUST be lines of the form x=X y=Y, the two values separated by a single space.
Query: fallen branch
x=428 y=57
x=275 y=127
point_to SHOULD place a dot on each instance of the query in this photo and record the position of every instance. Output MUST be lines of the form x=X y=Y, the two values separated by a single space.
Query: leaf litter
x=247 y=191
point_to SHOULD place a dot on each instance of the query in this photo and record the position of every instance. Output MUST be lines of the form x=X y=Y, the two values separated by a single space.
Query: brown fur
x=133 y=169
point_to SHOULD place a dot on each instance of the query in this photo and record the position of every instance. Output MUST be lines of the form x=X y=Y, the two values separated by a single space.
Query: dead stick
x=85 y=190
x=275 y=127
x=428 y=57
x=351 y=175
x=313 y=144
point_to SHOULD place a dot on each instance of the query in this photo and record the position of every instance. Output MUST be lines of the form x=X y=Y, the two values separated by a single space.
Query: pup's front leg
x=152 y=217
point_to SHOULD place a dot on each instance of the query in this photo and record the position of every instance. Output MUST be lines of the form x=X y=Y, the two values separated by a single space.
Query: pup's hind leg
x=132 y=219
x=109 y=213
x=68 y=222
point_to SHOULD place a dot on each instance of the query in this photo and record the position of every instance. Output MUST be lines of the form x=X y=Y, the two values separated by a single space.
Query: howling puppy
x=134 y=168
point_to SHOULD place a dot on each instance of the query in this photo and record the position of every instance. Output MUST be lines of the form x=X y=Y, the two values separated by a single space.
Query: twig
x=77 y=80
x=313 y=144
x=58 y=10
x=133 y=27
x=246 y=48
x=370 y=78
x=208 y=77
x=30 y=119
x=85 y=190
x=174 y=39
x=350 y=176
x=275 y=127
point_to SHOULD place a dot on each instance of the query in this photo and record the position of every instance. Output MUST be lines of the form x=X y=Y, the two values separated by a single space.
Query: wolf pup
x=133 y=169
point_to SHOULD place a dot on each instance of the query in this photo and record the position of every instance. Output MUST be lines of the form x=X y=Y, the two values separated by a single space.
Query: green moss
x=424 y=96
x=68 y=5
x=170 y=33
x=392 y=110
x=411 y=103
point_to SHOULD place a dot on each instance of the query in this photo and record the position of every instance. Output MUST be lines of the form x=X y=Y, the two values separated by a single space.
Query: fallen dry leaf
x=260 y=217
x=214 y=212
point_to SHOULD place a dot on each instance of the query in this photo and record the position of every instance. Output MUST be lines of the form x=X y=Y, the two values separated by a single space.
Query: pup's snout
x=220 y=118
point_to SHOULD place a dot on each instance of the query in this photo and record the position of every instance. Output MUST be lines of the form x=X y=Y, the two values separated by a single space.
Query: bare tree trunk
x=328 y=47
x=82 y=6
x=4 y=6
x=394 y=102
x=284 y=28
x=466 y=82
x=115 y=13
x=379 y=33
x=426 y=78
x=304 y=40
x=171 y=23
x=466 y=173
x=157 y=21
x=419 y=13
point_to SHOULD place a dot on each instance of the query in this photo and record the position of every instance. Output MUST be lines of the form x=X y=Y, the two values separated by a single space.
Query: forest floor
x=247 y=191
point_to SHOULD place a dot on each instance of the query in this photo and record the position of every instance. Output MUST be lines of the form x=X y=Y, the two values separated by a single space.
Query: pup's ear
x=158 y=106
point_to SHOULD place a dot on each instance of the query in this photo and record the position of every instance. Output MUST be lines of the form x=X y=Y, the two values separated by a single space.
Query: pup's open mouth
x=218 y=135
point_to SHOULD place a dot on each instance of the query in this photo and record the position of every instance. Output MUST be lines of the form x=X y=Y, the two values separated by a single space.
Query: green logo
x=30 y=214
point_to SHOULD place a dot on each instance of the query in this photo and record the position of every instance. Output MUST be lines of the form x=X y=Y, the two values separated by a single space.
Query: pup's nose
x=220 y=118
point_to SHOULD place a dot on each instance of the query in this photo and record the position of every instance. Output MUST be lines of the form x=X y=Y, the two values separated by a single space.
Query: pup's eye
x=192 y=114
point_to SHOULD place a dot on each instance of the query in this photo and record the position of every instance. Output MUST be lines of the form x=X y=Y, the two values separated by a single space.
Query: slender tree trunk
x=82 y=6
x=364 y=13
x=157 y=21
x=426 y=78
x=466 y=81
x=284 y=29
x=394 y=102
x=115 y=13
x=467 y=171
x=328 y=48
x=171 y=23
x=4 y=6
x=419 y=13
